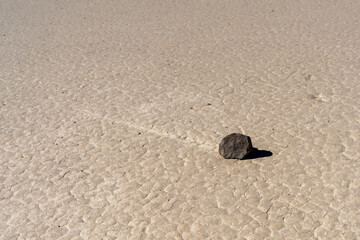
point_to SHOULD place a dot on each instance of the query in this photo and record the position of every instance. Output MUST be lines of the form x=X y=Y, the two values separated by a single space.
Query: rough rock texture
x=235 y=146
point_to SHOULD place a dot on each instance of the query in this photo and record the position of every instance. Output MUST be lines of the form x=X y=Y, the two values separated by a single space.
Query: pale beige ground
x=106 y=131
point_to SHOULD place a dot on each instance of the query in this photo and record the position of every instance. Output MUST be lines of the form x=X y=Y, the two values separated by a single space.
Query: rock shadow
x=256 y=153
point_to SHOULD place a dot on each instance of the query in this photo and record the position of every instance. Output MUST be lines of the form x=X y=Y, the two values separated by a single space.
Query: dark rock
x=235 y=146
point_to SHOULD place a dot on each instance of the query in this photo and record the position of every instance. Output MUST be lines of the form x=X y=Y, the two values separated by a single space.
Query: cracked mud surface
x=111 y=113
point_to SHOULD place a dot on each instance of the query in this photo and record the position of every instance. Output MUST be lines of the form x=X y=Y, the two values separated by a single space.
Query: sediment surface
x=111 y=113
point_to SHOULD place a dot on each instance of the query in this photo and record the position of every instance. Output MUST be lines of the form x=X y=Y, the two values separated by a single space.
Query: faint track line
x=182 y=139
